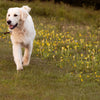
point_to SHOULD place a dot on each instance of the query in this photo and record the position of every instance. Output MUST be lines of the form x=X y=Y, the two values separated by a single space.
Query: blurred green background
x=94 y=3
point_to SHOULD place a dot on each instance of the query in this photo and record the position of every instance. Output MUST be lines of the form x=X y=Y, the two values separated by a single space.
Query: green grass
x=65 y=63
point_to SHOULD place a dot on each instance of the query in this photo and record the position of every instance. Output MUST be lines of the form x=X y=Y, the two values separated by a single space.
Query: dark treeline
x=87 y=3
x=94 y=3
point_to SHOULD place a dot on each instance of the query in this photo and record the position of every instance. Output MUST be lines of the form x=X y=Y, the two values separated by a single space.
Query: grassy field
x=65 y=63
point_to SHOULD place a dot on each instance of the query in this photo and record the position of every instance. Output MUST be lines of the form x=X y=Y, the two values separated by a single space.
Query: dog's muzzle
x=11 y=26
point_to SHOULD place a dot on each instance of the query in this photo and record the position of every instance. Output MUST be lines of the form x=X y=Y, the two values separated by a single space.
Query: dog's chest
x=19 y=37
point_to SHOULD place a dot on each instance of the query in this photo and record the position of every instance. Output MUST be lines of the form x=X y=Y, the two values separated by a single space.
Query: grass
x=65 y=64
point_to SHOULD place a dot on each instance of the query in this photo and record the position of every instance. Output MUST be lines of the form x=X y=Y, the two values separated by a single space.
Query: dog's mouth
x=13 y=26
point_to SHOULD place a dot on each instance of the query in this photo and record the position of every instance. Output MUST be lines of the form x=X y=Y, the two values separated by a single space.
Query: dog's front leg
x=17 y=53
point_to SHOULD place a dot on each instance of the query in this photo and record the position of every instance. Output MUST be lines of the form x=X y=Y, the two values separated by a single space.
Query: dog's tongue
x=11 y=26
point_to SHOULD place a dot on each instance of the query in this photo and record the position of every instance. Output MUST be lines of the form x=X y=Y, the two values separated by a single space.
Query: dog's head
x=15 y=16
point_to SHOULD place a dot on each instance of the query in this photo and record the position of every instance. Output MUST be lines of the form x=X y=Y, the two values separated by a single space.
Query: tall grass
x=58 y=11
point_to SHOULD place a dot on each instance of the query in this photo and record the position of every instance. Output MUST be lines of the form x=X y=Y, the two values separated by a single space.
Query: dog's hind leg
x=27 y=54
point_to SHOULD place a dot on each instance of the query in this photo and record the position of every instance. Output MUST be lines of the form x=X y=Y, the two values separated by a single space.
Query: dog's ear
x=23 y=14
x=28 y=9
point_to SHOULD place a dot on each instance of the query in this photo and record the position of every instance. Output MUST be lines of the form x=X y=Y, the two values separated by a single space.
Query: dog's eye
x=15 y=15
x=8 y=15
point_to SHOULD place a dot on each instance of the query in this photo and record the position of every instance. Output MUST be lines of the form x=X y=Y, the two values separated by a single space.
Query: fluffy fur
x=22 y=34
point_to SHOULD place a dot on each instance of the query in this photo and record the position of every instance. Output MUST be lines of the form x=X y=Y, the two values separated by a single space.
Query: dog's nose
x=9 y=22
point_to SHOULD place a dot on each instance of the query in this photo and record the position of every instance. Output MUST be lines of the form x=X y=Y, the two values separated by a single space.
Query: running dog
x=22 y=34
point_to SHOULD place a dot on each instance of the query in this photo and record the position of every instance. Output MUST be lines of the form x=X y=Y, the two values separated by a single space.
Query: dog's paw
x=25 y=62
x=20 y=69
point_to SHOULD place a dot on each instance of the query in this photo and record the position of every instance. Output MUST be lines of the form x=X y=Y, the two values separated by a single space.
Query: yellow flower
x=75 y=47
x=9 y=42
x=80 y=76
x=81 y=80
x=62 y=48
x=74 y=65
x=88 y=76
x=67 y=46
x=85 y=58
x=81 y=40
x=48 y=44
x=73 y=57
x=86 y=45
x=81 y=54
x=95 y=72
x=93 y=58
x=53 y=56
x=80 y=35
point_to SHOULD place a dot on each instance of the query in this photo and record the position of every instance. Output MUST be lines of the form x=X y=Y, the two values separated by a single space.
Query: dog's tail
x=27 y=8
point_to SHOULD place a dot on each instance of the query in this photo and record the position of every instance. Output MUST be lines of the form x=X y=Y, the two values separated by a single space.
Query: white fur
x=22 y=35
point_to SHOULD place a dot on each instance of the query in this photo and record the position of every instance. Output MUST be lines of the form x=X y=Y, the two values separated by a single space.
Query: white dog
x=22 y=34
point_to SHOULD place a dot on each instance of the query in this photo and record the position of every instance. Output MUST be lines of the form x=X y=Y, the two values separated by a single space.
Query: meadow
x=65 y=63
